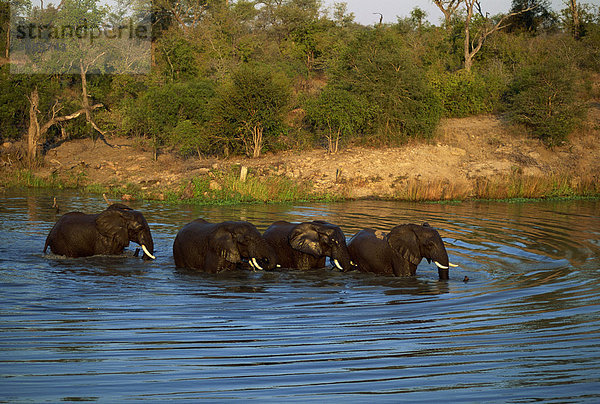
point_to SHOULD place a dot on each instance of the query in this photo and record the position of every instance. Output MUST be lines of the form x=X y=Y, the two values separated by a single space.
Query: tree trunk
x=7 y=50
x=257 y=140
x=472 y=47
x=85 y=101
x=33 y=132
x=576 y=21
x=448 y=8
x=331 y=144
x=467 y=44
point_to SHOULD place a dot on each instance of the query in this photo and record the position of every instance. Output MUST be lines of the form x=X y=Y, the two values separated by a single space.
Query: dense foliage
x=243 y=77
x=545 y=98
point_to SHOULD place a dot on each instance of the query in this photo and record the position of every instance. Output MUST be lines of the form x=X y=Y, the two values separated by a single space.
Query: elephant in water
x=77 y=234
x=217 y=247
x=306 y=245
x=399 y=251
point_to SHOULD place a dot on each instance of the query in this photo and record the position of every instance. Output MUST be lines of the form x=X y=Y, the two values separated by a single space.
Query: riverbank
x=470 y=158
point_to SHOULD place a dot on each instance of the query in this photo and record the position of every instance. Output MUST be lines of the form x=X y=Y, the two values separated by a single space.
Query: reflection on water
x=525 y=327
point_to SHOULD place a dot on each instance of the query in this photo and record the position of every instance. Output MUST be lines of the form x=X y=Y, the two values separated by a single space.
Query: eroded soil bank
x=470 y=157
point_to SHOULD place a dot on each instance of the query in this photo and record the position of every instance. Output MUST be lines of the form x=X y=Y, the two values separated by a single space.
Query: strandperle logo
x=57 y=47
x=82 y=31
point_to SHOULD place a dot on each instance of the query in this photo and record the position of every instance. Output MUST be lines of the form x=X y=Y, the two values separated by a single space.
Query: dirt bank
x=465 y=153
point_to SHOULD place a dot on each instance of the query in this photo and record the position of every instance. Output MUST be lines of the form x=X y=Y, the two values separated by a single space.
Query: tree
x=172 y=113
x=37 y=131
x=418 y=17
x=574 y=19
x=10 y=11
x=380 y=66
x=486 y=28
x=337 y=113
x=295 y=26
x=341 y=16
x=250 y=108
x=544 y=97
x=187 y=13
x=530 y=15
x=448 y=8
x=74 y=41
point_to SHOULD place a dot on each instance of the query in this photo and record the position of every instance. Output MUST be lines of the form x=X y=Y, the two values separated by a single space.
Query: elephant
x=400 y=251
x=306 y=245
x=218 y=247
x=78 y=234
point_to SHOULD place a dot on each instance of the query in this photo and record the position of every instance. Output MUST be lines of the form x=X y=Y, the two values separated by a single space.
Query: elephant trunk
x=147 y=244
x=442 y=262
x=444 y=274
x=341 y=258
x=262 y=255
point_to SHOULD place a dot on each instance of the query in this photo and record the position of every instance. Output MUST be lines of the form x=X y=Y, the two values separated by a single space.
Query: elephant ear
x=404 y=240
x=112 y=223
x=305 y=238
x=224 y=246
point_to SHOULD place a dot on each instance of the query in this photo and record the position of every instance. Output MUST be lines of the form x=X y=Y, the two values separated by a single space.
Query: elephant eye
x=244 y=239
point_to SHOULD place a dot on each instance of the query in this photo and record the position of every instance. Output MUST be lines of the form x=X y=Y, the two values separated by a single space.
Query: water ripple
x=524 y=327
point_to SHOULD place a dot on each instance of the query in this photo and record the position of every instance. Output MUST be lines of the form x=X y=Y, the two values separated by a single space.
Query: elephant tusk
x=337 y=264
x=252 y=265
x=440 y=266
x=148 y=252
x=453 y=265
x=253 y=261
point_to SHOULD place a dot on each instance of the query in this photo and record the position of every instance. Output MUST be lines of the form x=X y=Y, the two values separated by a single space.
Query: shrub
x=465 y=93
x=250 y=108
x=380 y=67
x=337 y=113
x=165 y=113
x=190 y=138
x=177 y=57
x=544 y=98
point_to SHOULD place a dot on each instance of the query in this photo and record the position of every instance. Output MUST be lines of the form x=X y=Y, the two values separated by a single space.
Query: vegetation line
x=219 y=188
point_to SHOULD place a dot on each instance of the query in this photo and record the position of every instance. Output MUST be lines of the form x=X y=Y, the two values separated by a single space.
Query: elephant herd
x=216 y=247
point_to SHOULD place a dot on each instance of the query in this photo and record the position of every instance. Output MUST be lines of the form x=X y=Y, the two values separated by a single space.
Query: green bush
x=465 y=93
x=544 y=97
x=177 y=57
x=249 y=109
x=190 y=138
x=338 y=114
x=171 y=113
x=381 y=67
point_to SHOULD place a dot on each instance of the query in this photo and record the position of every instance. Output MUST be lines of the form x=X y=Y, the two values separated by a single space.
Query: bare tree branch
x=448 y=8
x=473 y=46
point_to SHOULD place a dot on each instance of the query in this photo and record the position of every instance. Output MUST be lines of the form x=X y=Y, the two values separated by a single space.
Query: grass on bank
x=505 y=187
x=219 y=187
x=228 y=188
x=215 y=188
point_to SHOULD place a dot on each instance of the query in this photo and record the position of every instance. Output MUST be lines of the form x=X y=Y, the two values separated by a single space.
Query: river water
x=524 y=327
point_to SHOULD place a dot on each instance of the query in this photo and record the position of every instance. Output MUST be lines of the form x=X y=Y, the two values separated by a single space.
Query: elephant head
x=321 y=239
x=414 y=242
x=217 y=247
x=236 y=241
x=120 y=224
